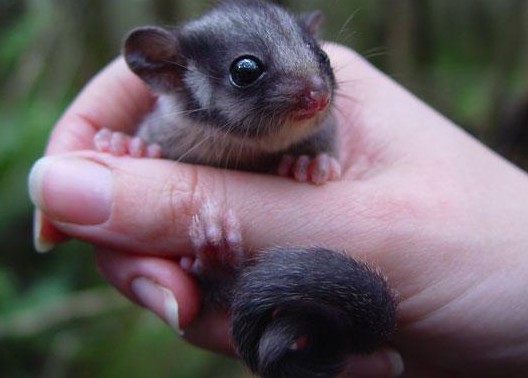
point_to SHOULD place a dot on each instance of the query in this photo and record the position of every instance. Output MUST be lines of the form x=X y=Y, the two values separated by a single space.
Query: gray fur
x=338 y=304
x=202 y=118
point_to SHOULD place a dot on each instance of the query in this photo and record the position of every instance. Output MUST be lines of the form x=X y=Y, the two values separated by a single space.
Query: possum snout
x=314 y=98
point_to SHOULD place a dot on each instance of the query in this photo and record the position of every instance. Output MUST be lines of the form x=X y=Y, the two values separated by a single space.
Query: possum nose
x=316 y=95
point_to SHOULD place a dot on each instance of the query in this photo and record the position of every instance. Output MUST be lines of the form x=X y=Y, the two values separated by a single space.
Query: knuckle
x=190 y=191
x=182 y=191
x=205 y=196
x=155 y=210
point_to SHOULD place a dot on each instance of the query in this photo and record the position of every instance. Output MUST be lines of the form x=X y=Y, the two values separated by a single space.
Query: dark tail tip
x=299 y=312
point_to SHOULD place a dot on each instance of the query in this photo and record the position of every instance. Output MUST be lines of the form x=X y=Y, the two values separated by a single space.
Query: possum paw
x=217 y=240
x=119 y=144
x=316 y=170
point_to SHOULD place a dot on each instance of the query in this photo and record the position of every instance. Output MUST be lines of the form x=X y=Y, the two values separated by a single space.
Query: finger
x=155 y=283
x=115 y=98
x=146 y=206
x=45 y=235
x=210 y=330
x=385 y=363
x=162 y=287
x=96 y=197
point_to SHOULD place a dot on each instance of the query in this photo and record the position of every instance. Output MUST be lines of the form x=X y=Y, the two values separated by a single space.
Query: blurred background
x=468 y=59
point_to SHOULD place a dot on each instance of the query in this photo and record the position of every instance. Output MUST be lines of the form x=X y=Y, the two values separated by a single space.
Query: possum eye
x=245 y=71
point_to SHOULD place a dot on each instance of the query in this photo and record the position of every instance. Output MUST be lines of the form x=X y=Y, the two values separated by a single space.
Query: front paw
x=120 y=144
x=316 y=170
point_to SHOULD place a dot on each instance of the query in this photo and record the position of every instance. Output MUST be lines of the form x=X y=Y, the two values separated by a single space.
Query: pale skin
x=443 y=217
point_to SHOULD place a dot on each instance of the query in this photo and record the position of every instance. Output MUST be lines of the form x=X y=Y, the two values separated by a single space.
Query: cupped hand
x=442 y=217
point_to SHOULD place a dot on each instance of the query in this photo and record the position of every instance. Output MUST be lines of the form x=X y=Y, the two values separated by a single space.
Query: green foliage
x=57 y=317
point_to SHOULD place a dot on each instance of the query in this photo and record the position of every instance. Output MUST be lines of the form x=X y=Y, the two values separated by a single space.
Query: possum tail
x=299 y=312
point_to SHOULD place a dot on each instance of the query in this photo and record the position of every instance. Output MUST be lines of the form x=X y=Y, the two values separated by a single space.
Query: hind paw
x=217 y=240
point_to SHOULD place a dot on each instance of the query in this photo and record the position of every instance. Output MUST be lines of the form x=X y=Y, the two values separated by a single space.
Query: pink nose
x=315 y=96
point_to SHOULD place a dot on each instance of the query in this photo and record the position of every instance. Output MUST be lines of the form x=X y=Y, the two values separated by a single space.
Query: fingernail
x=45 y=236
x=39 y=242
x=384 y=363
x=396 y=362
x=159 y=299
x=71 y=190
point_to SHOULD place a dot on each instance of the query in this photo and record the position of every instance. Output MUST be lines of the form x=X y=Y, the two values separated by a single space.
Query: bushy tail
x=299 y=312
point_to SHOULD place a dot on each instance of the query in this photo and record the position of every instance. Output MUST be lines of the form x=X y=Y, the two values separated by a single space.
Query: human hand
x=443 y=218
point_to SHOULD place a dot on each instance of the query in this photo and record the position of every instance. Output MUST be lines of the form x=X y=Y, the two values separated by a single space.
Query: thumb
x=146 y=206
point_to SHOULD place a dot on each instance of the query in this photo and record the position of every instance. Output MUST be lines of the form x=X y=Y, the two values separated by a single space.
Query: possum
x=247 y=86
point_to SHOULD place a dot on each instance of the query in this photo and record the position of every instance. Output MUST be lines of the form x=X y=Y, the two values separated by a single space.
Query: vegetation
x=57 y=317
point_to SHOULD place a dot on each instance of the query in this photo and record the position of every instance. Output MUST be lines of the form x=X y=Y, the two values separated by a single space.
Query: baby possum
x=247 y=86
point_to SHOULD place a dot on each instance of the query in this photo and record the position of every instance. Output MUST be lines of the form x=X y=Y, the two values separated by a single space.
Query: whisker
x=231 y=146
x=193 y=147
x=184 y=112
x=348 y=96
x=177 y=64
x=375 y=52
x=344 y=29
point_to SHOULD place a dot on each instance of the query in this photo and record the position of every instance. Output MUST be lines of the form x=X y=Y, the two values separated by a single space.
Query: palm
x=440 y=215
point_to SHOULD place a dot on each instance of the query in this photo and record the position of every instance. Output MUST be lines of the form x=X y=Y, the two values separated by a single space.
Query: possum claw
x=316 y=170
x=120 y=144
x=216 y=237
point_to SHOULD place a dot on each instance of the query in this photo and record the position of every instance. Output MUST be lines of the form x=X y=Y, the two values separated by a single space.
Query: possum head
x=248 y=68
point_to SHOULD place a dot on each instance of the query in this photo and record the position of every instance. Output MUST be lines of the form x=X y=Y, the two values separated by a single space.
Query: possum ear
x=312 y=21
x=152 y=53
